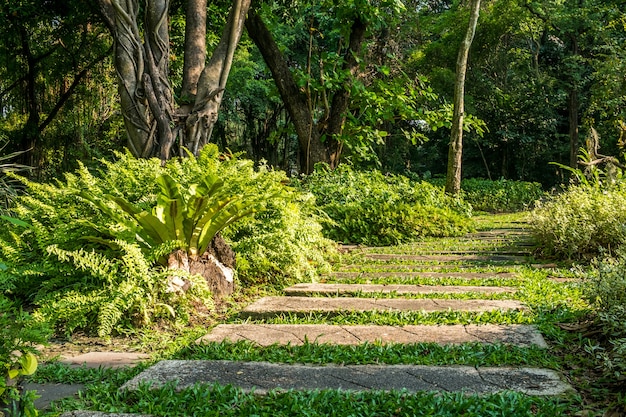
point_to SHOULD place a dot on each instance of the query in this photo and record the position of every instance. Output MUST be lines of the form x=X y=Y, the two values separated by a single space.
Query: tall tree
x=48 y=51
x=319 y=121
x=155 y=123
x=455 y=153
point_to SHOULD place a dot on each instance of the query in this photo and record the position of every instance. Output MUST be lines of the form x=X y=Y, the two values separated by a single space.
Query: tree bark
x=341 y=99
x=455 y=151
x=195 y=48
x=312 y=149
x=142 y=63
x=212 y=81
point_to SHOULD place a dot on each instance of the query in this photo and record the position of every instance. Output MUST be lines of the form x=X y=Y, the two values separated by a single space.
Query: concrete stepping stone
x=261 y=377
x=298 y=334
x=272 y=306
x=307 y=289
x=105 y=359
x=445 y=258
x=81 y=413
x=49 y=392
x=385 y=274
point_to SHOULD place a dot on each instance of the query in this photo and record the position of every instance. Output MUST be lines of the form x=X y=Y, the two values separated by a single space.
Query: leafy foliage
x=500 y=196
x=18 y=335
x=374 y=209
x=282 y=244
x=606 y=289
x=8 y=187
x=581 y=221
x=87 y=250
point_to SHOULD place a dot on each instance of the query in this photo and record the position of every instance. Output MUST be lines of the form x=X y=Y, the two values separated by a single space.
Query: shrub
x=375 y=209
x=18 y=335
x=88 y=252
x=606 y=289
x=282 y=244
x=581 y=221
x=500 y=196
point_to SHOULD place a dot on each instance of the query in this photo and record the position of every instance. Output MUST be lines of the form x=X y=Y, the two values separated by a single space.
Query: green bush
x=19 y=334
x=580 y=222
x=375 y=209
x=606 y=289
x=500 y=196
x=88 y=253
x=281 y=245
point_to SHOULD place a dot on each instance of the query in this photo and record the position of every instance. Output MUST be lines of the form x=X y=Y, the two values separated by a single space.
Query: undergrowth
x=90 y=252
x=375 y=209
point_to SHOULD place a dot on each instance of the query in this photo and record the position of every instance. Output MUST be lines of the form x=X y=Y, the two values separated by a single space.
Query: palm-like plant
x=187 y=216
x=8 y=186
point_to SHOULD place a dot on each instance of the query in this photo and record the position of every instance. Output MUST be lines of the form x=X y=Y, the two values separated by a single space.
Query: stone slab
x=445 y=258
x=105 y=359
x=304 y=289
x=389 y=274
x=262 y=377
x=272 y=306
x=82 y=413
x=298 y=334
x=50 y=392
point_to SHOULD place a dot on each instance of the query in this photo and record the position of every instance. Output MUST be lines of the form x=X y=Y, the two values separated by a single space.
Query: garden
x=166 y=165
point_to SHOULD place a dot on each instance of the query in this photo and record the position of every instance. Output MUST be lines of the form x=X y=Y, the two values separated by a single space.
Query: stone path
x=269 y=307
x=348 y=290
x=298 y=334
x=261 y=377
x=399 y=289
x=337 y=298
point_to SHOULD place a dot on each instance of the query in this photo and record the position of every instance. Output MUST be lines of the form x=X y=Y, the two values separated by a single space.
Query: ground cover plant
x=606 y=290
x=375 y=209
x=581 y=222
x=92 y=252
x=19 y=335
x=551 y=305
x=229 y=401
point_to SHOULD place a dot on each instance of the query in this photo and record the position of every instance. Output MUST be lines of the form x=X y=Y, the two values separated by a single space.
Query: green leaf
x=28 y=361
x=16 y=222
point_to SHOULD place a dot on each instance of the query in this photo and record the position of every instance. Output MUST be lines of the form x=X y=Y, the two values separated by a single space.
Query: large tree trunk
x=212 y=81
x=455 y=151
x=341 y=99
x=296 y=103
x=142 y=64
x=152 y=121
x=195 y=49
x=312 y=149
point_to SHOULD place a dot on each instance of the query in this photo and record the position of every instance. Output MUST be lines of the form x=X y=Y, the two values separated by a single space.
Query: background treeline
x=541 y=74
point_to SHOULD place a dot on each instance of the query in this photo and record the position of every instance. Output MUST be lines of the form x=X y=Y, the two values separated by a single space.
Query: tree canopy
x=296 y=83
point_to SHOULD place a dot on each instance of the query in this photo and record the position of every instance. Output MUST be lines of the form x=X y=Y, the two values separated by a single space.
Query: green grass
x=203 y=400
x=471 y=354
x=386 y=318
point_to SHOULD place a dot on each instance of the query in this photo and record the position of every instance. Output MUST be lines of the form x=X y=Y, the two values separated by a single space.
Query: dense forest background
x=541 y=75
